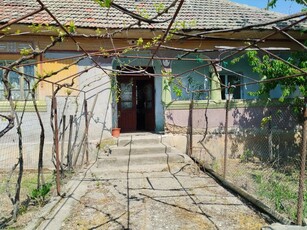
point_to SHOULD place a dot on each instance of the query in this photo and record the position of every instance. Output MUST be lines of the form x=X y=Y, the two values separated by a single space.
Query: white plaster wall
x=31 y=135
x=100 y=124
x=96 y=82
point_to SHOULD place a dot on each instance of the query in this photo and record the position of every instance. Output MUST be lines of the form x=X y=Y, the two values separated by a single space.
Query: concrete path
x=178 y=196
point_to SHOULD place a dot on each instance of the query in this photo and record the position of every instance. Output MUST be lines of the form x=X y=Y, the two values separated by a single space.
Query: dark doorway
x=145 y=105
x=136 y=104
x=140 y=105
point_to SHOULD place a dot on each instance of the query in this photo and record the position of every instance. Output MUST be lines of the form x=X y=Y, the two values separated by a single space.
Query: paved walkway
x=174 y=197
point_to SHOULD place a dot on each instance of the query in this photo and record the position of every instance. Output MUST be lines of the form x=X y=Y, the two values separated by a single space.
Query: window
x=126 y=91
x=20 y=83
x=231 y=80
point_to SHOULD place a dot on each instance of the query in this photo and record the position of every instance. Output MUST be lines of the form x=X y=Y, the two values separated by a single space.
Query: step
x=121 y=171
x=138 y=140
x=144 y=159
x=139 y=149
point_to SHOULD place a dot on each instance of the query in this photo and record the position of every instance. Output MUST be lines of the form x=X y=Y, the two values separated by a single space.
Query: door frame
x=133 y=112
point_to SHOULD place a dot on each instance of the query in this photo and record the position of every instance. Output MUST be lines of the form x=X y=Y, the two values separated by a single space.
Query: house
x=123 y=41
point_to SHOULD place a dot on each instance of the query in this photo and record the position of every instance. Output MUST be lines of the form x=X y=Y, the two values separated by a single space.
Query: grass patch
x=276 y=186
x=280 y=190
x=28 y=183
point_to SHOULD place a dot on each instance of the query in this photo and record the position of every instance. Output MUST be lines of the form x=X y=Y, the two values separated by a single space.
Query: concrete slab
x=176 y=199
x=277 y=226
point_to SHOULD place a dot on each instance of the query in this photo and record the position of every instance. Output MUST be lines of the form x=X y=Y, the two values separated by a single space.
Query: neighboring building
x=145 y=103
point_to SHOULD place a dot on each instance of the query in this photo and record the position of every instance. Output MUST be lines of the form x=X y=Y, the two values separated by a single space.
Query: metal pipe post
x=226 y=137
x=56 y=139
x=69 y=150
x=86 y=130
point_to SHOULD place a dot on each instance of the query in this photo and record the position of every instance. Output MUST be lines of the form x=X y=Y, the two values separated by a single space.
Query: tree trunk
x=40 y=176
x=20 y=174
x=300 y=203
x=13 y=116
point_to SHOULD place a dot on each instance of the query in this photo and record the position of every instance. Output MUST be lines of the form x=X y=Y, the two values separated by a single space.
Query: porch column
x=215 y=87
x=166 y=92
x=166 y=89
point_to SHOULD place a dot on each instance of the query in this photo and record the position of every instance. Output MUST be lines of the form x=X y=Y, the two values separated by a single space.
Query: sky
x=282 y=6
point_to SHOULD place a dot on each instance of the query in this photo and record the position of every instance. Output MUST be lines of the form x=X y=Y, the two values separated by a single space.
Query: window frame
x=224 y=90
x=21 y=90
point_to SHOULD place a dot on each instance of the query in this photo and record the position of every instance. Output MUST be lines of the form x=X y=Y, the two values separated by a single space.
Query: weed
x=95 y=178
x=22 y=209
x=39 y=195
x=257 y=178
x=247 y=156
x=215 y=166
x=105 y=142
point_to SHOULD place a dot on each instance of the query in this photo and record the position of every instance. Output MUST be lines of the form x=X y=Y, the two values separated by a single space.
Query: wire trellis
x=266 y=158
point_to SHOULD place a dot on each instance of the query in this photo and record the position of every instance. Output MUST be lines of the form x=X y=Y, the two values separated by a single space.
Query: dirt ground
x=28 y=208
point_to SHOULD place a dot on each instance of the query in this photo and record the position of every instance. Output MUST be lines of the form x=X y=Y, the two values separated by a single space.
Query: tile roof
x=207 y=14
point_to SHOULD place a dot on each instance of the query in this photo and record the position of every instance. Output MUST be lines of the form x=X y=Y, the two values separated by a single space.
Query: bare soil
x=28 y=208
